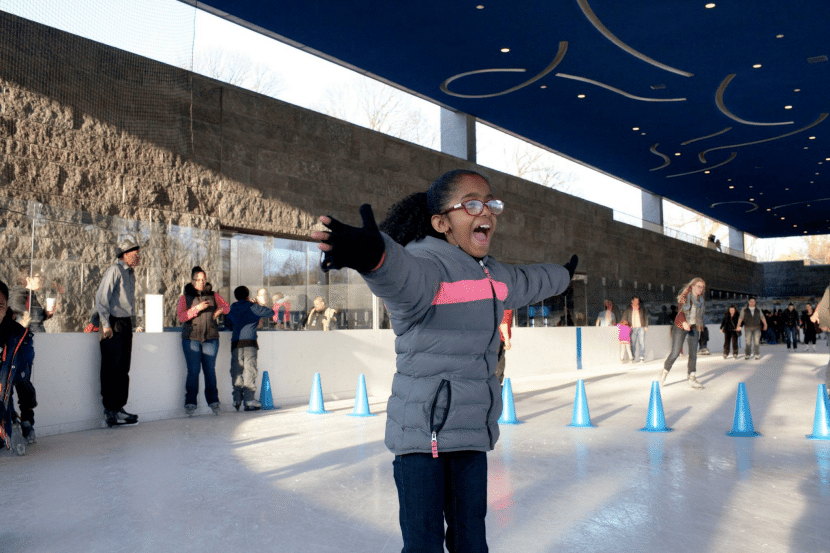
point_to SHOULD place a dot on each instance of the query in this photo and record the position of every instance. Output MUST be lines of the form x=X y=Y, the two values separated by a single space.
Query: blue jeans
x=453 y=485
x=200 y=356
x=638 y=342
x=753 y=339
x=692 y=339
x=792 y=336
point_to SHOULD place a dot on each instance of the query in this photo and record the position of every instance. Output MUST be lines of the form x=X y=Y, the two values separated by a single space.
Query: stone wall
x=104 y=136
x=784 y=279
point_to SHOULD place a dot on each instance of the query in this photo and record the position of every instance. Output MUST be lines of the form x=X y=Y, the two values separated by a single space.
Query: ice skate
x=237 y=404
x=252 y=405
x=28 y=432
x=215 y=408
x=703 y=351
x=16 y=441
x=114 y=418
x=663 y=376
x=127 y=418
x=190 y=409
x=693 y=382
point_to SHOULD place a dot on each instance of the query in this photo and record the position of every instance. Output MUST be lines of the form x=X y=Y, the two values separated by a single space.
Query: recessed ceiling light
x=806 y=147
x=788 y=107
x=811 y=137
x=706 y=172
x=481 y=7
x=796 y=90
x=505 y=50
x=729 y=180
x=752 y=199
x=795 y=226
x=827 y=159
x=756 y=66
x=805 y=232
x=643 y=134
x=769 y=209
x=580 y=95
x=750 y=186
x=782 y=218
x=677 y=153
x=779 y=36
x=543 y=86
x=638 y=128
x=731 y=187
x=709 y=6
x=816 y=173
x=786 y=189
x=820 y=162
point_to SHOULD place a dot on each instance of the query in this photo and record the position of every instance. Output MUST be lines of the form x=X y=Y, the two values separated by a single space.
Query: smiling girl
x=445 y=297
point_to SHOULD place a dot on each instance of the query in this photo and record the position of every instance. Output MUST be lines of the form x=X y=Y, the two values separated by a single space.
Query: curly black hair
x=411 y=218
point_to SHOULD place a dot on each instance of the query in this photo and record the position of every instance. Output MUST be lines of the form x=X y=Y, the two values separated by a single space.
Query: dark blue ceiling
x=680 y=73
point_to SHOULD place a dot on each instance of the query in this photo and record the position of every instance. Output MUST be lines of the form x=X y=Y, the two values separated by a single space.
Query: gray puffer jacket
x=445 y=308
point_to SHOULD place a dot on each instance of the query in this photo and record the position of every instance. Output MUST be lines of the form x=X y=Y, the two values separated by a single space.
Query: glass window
x=286 y=273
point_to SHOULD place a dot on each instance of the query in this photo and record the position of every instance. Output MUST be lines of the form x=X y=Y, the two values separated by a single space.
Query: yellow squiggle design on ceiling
x=617 y=90
x=666 y=158
x=702 y=155
x=729 y=114
x=592 y=17
x=707 y=136
x=563 y=47
x=733 y=156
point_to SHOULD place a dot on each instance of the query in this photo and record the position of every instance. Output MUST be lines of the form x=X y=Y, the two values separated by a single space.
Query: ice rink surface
x=289 y=481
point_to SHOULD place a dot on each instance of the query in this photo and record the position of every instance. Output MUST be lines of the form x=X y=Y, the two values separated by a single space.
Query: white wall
x=66 y=372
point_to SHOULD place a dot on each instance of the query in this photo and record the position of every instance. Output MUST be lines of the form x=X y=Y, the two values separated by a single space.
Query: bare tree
x=238 y=69
x=694 y=225
x=536 y=165
x=818 y=248
x=381 y=108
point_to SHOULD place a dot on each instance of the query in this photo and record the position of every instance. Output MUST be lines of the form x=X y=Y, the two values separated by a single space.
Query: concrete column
x=736 y=240
x=458 y=134
x=652 y=212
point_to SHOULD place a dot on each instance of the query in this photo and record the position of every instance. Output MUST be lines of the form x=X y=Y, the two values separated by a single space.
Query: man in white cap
x=115 y=302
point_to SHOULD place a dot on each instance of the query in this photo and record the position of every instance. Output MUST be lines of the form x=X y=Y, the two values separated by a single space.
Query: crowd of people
x=23 y=313
x=449 y=307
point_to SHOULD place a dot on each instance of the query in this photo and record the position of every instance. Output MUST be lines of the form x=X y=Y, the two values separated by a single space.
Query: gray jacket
x=445 y=308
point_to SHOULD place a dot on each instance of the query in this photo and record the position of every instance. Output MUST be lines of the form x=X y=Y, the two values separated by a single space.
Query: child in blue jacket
x=243 y=319
x=445 y=297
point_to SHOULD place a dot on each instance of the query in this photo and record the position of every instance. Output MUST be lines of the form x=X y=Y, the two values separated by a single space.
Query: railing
x=635 y=221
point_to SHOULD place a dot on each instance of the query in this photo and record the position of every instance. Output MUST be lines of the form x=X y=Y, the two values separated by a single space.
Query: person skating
x=445 y=297
x=244 y=318
x=691 y=304
x=16 y=359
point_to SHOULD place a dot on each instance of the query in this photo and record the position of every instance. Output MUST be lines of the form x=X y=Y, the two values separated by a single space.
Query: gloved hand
x=358 y=248
x=571 y=265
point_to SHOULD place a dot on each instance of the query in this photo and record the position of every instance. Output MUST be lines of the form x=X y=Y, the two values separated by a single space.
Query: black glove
x=358 y=248
x=571 y=265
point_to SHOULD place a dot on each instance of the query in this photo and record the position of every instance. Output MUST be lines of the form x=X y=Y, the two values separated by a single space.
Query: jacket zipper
x=496 y=321
x=432 y=428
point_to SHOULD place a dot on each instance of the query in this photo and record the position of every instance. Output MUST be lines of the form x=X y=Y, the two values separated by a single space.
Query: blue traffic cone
x=742 y=425
x=265 y=397
x=655 y=419
x=821 y=422
x=315 y=401
x=361 y=400
x=581 y=417
x=508 y=412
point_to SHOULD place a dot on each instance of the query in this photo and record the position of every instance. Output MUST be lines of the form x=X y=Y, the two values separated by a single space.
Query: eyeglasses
x=476 y=207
